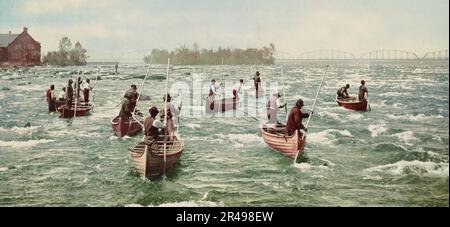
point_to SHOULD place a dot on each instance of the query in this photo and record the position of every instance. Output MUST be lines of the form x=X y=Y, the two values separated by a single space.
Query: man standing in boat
x=295 y=119
x=62 y=95
x=363 y=93
x=132 y=95
x=152 y=127
x=213 y=91
x=171 y=113
x=86 y=89
x=51 y=100
x=69 y=94
x=257 y=82
x=237 y=89
x=272 y=108
x=342 y=92
x=125 y=110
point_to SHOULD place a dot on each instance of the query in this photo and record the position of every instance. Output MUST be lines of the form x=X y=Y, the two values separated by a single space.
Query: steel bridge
x=436 y=55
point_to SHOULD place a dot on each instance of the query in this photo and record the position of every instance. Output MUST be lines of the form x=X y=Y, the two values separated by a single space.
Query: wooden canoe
x=129 y=127
x=151 y=164
x=82 y=109
x=352 y=103
x=222 y=106
x=277 y=139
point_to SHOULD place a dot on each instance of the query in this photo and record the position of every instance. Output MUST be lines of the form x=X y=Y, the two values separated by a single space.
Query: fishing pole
x=312 y=111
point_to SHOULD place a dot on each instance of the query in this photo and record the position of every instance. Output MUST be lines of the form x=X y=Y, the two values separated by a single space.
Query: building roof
x=6 y=39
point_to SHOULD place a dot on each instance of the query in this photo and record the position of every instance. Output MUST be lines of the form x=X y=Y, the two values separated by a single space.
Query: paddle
x=312 y=111
x=165 y=115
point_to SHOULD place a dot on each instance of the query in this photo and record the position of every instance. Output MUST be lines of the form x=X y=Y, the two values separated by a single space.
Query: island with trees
x=196 y=56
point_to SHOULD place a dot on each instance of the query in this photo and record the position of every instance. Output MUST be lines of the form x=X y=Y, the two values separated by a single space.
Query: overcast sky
x=113 y=28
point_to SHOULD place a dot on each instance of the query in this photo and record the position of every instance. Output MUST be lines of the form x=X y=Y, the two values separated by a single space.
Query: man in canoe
x=295 y=119
x=342 y=92
x=257 y=82
x=125 y=110
x=78 y=88
x=62 y=95
x=272 y=108
x=363 y=93
x=152 y=127
x=51 y=100
x=213 y=91
x=171 y=113
x=132 y=92
x=86 y=89
x=69 y=94
x=237 y=89
x=132 y=95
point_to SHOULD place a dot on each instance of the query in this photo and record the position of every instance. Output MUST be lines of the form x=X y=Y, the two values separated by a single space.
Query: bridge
x=436 y=55
x=389 y=54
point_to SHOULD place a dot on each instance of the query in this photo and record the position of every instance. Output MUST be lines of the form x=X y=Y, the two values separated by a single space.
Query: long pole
x=178 y=117
x=139 y=96
x=165 y=114
x=284 y=92
x=76 y=95
x=312 y=110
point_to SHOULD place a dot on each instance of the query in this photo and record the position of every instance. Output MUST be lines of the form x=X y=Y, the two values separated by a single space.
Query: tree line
x=196 y=56
x=66 y=55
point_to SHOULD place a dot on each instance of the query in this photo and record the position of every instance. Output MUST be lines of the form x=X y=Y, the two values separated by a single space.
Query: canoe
x=222 y=106
x=129 y=127
x=82 y=109
x=277 y=140
x=352 y=103
x=149 y=163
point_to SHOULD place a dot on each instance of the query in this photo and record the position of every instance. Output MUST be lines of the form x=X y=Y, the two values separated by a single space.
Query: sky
x=126 y=29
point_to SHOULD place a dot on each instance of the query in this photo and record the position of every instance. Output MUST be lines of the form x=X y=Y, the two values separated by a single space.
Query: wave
x=410 y=117
x=327 y=136
x=304 y=167
x=244 y=138
x=406 y=137
x=23 y=144
x=413 y=167
x=377 y=129
x=20 y=130
x=3 y=169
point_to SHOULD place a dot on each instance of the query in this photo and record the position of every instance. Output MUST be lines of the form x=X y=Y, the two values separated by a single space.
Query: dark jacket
x=295 y=121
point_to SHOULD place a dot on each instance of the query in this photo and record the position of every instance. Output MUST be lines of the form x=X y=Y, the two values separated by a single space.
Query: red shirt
x=49 y=95
x=295 y=121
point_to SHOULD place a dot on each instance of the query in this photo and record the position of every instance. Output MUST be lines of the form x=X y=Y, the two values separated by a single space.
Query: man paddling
x=295 y=119
x=213 y=91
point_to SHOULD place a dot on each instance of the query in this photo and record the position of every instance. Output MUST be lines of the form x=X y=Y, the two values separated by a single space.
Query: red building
x=19 y=49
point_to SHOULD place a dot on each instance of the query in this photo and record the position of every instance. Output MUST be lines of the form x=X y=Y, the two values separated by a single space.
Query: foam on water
x=416 y=167
x=406 y=137
x=377 y=129
x=23 y=144
x=326 y=136
x=3 y=169
x=418 y=117
x=20 y=130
